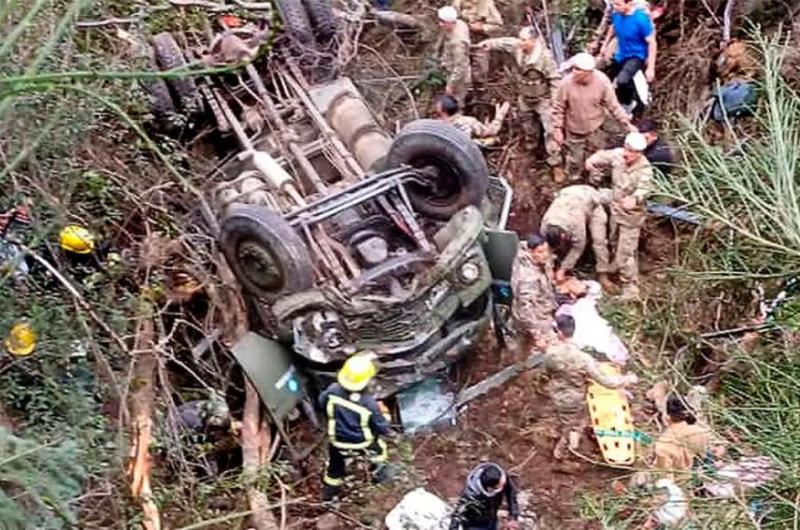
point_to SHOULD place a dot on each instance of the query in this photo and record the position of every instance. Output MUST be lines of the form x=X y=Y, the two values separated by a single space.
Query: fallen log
x=397 y=20
x=141 y=412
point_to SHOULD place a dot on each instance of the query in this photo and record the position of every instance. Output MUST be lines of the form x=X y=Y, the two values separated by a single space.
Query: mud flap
x=268 y=365
x=501 y=249
x=611 y=419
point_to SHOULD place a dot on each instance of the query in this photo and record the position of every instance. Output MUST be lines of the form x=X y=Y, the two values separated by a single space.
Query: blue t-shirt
x=631 y=31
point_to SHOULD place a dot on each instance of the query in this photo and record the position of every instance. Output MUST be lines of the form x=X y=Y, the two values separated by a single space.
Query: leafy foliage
x=38 y=481
x=748 y=193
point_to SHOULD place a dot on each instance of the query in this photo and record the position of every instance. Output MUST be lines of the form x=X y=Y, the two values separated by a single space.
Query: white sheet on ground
x=419 y=510
x=592 y=330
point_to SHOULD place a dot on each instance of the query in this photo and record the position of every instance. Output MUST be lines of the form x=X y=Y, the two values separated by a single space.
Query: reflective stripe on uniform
x=330 y=481
x=363 y=412
x=383 y=456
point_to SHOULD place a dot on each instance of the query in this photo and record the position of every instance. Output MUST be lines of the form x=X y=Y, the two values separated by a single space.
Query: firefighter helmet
x=357 y=371
x=21 y=340
x=77 y=239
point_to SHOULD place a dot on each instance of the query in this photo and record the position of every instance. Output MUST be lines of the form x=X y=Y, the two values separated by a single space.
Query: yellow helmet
x=21 y=340
x=77 y=239
x=357 y=371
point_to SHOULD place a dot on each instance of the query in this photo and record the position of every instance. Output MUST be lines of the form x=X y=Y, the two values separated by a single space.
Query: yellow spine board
x=611 y=419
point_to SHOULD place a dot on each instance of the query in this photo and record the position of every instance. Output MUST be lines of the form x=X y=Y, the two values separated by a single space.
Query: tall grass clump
x=747 y=190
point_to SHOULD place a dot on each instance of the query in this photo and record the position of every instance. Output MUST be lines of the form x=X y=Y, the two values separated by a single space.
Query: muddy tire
x=161 y=103
x=322 y=18
x=461 y=176
x=168 y=56
x=265 y=253
x=296 y=21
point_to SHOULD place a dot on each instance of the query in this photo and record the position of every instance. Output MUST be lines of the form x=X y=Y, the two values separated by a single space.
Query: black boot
x=329 y=492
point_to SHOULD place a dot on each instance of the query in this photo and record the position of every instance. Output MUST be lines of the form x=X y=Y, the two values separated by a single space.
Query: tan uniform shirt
x=483 y=11
x=534 y=296
x=473 y=127
x=679 y=444
x=536 y=74
x=570 y=368
x=456 y=55
x=572 y=209
x=635 y=180
x=581 y=109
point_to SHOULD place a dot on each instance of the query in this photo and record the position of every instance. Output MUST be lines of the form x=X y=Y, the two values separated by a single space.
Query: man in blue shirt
x=636 y=48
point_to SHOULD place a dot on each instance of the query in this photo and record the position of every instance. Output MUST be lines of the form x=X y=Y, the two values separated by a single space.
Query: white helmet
x=636 y=141
x=448 y=14
x=584 y=61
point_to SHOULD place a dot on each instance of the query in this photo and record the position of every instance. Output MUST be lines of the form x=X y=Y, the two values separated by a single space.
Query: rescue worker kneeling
x=355 y=424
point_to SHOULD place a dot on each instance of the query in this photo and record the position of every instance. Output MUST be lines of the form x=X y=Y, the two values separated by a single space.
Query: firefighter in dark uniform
x=355 y=423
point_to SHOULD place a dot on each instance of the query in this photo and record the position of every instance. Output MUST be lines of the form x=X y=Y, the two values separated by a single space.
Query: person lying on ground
x=487 y=486
x=658 y=152
x=582 y=100
x=535 y=77
x=636 y=49
x=569 y=368
x=532 y=282
x=631 y=180
x=564 y=225
x=448 y=110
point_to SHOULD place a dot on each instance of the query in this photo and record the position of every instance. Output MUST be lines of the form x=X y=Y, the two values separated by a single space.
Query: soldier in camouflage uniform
x=448 y=111
x=536 y=77
x=631 y=180
x=564 y=225
x=455 y=59
x=534 y=293
x=481 y=16
x=569 y=368
x=582 y=100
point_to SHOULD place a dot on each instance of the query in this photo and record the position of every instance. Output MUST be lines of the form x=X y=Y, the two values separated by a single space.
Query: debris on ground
x=674 y=510
x=419 y=510
x=425 y=405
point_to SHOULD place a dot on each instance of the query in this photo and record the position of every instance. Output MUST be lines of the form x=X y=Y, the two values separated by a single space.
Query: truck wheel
x=161 y=103
x=322 y=19
x=265 y=253
x=168 y=56
x=461 y=176
x=296 y=21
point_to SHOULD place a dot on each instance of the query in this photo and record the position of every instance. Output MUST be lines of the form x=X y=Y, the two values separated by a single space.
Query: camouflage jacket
x=569 y=368
x=571 y=209
x=455 y=59
x=473 y=127
x=534 y=294
x=635 y=180
x=536 y=74
x=483 y=11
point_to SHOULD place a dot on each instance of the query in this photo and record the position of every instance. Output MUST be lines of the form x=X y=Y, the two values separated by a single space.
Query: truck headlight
x=470 y=272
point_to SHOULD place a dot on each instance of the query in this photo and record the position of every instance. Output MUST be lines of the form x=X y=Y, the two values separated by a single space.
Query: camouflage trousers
x=569 y=403
x=534 y=113
x=626 y=255
x=459 y=91
x=598 y=229
x=579 y=147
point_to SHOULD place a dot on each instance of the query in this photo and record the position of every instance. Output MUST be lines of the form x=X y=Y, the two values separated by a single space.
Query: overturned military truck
x=344 y=239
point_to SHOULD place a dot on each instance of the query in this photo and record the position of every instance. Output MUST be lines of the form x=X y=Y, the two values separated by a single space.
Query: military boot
x=630 y=291
x=606 y=283
x=329 y=492
x=383 y=474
